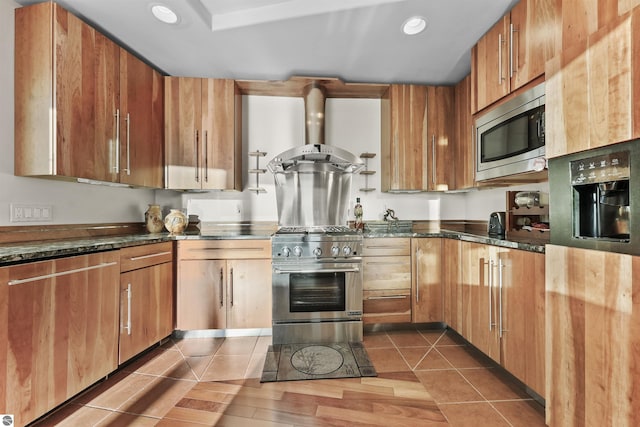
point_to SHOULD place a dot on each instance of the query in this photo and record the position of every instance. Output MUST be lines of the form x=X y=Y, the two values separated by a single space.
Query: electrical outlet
x=27 y=212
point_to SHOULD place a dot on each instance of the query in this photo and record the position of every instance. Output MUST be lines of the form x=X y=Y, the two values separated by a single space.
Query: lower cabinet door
x=426 y=301
x=146 y=312
x=59 y=333
x=249 y=293
x=201 y=299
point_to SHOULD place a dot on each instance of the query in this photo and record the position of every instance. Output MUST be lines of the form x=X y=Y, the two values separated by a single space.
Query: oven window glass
x=309 y=292
x=518 y=135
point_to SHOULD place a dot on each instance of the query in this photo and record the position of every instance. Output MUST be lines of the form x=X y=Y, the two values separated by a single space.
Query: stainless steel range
x=317 y=285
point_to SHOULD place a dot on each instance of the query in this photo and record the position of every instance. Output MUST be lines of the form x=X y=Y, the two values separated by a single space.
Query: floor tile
x=450 y=338
x=387 y=360
x=116 y=391
x=241 y=346
x=199 y=364
x=473 y=415
x=494 y=384
x=122 y=419
x=431 y=335
x=448 y=386
x=522 y=413
x=158 y=398
x=256 y=363
x=74 y=415
x=413 y=355
x=433 y=360
x=408 y=339
x=464 y=357
x=262 y=345
x=377 y=340
x=226 y=367
x=160 y=362
x=197 y=347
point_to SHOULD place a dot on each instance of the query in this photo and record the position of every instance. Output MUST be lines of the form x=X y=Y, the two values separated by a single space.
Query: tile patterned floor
x=426 y=378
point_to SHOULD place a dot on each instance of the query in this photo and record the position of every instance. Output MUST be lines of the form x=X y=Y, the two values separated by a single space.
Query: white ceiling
x=355 y=40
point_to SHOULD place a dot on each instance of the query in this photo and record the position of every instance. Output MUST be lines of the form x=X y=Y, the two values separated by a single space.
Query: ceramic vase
x=153 y=219
x=176 y=221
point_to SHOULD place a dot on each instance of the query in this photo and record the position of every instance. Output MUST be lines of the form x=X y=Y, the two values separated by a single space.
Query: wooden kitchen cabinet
x=66 y=67
x=593 y=337
x=514 y=51
x=590 y=89
x=416 y=136
x=386 y=265
x=146 y=297
x=141 y=123
x=452 y=285
x=426 y=281
x=224 y=284
x=203 y=134
x=463 y=162
x=504 y=308
x=59 y=328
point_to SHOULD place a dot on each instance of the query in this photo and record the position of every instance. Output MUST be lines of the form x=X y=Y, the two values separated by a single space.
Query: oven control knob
x=317 y=251
x=297 y=251
x=335 y=251
x=346 y=250
x=286 y=252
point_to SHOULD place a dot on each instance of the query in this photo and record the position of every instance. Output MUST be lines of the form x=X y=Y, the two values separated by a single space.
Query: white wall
x=72 y=202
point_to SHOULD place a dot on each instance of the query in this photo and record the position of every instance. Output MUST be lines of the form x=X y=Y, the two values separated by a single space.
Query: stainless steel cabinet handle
x=388 y=297
x=500 y=43
x=489 y=286
x=60 y=273
x=385 y=263
x=196 y=154
x=128 y=327
x=316 y=270
x=385 y=247
x=417 y=274
x=511 y=31
x=136 y=258
x=206 y=157
x=434 y=175
x=500 y=267
x=116 y=168
x=128 y=169
x=231 y=287
x=221 y=287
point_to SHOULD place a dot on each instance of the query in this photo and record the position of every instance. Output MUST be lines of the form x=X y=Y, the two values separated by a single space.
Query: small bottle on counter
x=357 y=210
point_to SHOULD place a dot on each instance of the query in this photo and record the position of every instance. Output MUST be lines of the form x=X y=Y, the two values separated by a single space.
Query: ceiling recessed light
x=164 y=14
x=414 y=25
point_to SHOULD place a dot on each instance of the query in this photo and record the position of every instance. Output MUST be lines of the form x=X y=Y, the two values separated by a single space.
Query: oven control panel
x=318 y=250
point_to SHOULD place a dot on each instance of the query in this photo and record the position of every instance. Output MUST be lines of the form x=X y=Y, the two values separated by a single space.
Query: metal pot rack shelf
x=366 y=172
x=257 y=171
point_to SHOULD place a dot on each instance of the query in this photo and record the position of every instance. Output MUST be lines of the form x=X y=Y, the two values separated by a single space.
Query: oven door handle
x=317 y=270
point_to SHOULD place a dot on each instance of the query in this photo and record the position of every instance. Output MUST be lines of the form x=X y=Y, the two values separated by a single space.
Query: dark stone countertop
x=37 y=251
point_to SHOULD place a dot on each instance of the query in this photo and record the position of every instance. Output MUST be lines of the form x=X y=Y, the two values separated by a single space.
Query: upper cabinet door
x=203 y=138
x=221 y=135
x=534 y=37
x=141 y=123
x=182 y=106
x=404 y=139
x=65 y=67
x=440 y=109
x=491 y=61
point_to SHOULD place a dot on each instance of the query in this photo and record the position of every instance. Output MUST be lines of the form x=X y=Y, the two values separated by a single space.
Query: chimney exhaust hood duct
x=313 y=181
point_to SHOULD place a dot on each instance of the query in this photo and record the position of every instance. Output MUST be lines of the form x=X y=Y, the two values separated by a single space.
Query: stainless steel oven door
x=317 y=292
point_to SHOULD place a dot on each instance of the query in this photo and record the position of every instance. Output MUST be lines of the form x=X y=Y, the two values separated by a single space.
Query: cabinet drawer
x=387 y=306
x=386 y=272
x=386 y=246
x=225 y=249
x=136 y=257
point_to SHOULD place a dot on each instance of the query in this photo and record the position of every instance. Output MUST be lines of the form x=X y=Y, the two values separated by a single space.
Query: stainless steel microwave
x=510 y=137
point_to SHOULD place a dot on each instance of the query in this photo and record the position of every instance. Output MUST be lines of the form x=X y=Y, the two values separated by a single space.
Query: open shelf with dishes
x=527 y=215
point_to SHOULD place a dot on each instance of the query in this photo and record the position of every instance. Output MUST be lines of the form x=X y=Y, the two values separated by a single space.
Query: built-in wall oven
x=594 y=197
x=317 y=285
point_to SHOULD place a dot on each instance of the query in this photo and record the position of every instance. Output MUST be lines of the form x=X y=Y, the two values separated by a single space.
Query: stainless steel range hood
x=313 y=181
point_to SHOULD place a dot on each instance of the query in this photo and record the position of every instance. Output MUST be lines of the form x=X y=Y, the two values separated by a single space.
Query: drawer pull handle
x=61 y=273
x=137 y=258
x=388 y=297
